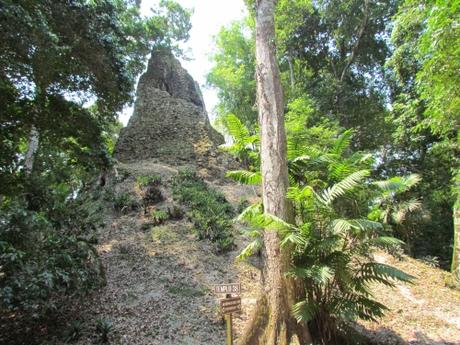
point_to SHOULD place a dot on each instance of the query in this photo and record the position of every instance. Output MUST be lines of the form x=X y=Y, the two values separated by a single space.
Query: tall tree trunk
x=456 y=251
x=33 y=142
x=291 y=71
x=272 y=322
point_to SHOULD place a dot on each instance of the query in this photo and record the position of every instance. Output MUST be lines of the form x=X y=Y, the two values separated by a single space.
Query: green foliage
x=159 y=216
x=233 y=73
x=47 y=256
x=425 y=135
x=103 y=329
x=332 y=239
x=332 y=254
x=68 y=68
x=243 y=143
x=440 y=58
x=245 y=177
x=124 y=202
x=209 y=211
x=145 y=180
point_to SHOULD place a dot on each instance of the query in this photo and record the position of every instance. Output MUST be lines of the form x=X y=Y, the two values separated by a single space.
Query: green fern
x=332 y=240
x=245 y=177
x=342 y=187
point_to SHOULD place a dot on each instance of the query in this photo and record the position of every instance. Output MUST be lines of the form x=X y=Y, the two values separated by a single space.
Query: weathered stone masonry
x=169 y=123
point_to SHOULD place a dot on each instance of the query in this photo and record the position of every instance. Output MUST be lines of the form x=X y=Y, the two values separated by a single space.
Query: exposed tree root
x=265 y=328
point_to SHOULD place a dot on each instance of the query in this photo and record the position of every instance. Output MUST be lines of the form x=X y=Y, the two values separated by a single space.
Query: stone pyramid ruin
x=170 y=123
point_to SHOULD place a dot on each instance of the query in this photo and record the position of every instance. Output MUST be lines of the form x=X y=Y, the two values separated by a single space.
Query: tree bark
x=291 y=71
x=272 y=322
x=33 y=142
x=456 y=252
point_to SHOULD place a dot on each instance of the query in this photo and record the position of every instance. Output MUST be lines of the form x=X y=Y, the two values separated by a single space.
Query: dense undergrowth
x=208 y=210
x=47 y=255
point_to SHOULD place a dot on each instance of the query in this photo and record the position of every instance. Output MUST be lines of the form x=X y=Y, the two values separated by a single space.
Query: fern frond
x=374 y=271
x=340 y=170
x=366 y=225
x=385 y=242
x=320 y=274
x=342 y=187
x=298 y=194
x=245 y=177
x=342 y=142
x=398 y=184
x=305 y=311
x=250 y=249
x=237 y=129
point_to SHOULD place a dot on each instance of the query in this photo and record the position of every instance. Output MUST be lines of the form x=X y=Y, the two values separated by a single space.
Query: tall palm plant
x=332 y=238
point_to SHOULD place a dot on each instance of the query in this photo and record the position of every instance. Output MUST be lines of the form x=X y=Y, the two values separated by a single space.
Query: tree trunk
x=456 y=251
x=291 y=71
x=34 y=138
x=272 y=322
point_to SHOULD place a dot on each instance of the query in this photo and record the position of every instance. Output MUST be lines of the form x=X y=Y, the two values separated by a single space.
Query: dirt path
x=424 y=313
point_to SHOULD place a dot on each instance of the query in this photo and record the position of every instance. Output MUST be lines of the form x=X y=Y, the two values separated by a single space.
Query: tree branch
x=361 y=31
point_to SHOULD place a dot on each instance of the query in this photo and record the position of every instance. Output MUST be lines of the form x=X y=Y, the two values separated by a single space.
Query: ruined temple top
x=169 y=122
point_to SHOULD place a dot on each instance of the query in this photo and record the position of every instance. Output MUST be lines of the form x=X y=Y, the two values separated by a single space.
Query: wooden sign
x=230 y=305
x=234 y=288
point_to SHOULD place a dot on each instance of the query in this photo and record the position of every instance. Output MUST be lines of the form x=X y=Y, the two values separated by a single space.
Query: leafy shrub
x=151 y=193
x=104 y=328
x=208 y=209
x=145 y=180
x=124 y=202
x=46 y=257
x=159 y=216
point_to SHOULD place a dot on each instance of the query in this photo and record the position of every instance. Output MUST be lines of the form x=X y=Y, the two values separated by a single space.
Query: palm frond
x=398 y=184
x=304 y=311
x=340 y=226
x=245 y=177
x=295 y=239
x=374 y=271
x=255 y=216
x=342 y=142
x=385 y=242
x=354 y=306
x=250 y=249
x=237 y=129
x=342 y=187
x=320 y=274
x=367 y=225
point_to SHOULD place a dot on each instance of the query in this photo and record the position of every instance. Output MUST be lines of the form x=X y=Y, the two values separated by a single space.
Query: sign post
x=228 y=319
x=229 y=305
